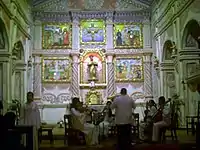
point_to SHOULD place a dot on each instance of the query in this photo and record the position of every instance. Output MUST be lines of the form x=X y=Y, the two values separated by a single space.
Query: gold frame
x=91 y=92
x=92 y=43
x=57 y=58
x=128 y=47
x=103 y=66
x=57 y=47
x=131 y=57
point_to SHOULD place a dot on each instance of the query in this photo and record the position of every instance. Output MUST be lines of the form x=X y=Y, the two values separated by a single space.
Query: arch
x=3 y=36
x=191 y=34
x=167 y=50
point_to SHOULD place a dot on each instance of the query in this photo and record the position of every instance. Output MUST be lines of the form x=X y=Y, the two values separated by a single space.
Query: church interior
x=91 y=49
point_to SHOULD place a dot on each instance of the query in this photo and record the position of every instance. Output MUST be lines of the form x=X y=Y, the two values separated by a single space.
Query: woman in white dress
x=108 y=120
x=79 y=123
x=30 y=116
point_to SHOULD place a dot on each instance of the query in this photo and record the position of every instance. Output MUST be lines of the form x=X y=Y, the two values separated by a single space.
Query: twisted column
x=148 y=90
x=111 y=89
x=37 y=89
x=75 y=81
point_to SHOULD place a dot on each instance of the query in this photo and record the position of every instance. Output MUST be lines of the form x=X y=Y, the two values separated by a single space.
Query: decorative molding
x=161 y=22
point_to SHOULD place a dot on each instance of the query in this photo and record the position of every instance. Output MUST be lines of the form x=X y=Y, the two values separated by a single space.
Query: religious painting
x=128 y=36
x=56 y=36
x=92 y=67
x=92 y=32
x=56 y=69
x=129 y=69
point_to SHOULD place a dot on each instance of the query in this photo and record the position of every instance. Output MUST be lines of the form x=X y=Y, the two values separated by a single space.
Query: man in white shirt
x=123 y=106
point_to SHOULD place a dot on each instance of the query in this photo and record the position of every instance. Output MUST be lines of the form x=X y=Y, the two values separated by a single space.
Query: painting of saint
x=92 y=68
x=129 y=69
x=56 y=36
x=56 y=70
x=92 y=32
x=128 y=36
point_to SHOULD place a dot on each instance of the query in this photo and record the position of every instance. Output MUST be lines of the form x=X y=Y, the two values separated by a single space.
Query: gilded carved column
x=37 y=89
x=148 y=90
x=109 y=31
x=111 y=88
x=75 y=74
x=75 y=31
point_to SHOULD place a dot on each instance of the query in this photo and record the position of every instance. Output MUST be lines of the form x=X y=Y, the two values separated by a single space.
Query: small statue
x=173 y=48
x=156 y=62
x=92 y=66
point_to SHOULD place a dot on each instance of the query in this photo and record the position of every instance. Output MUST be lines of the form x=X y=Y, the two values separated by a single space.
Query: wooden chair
x=72 y=136
x=135 y=128
x=173 y=126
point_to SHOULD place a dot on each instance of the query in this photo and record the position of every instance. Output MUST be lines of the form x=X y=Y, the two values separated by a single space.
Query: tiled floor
x=59 y=142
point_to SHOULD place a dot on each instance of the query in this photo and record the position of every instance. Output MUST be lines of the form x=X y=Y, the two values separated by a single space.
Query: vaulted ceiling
x=84 y=5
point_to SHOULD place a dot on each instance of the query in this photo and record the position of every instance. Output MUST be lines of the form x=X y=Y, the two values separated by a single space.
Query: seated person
x=108 y=120
x=166 y=119
x=146 y=125
x=79 y=123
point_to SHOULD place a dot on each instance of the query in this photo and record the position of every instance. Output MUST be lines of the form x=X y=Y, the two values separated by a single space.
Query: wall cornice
x=126 y=16
x=170 y=15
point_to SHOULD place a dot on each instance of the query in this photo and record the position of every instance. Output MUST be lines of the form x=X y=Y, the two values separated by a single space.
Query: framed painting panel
x=92 y=31
x=128 y=36
x=129 y=69
x=56 y=69
x=56 y=36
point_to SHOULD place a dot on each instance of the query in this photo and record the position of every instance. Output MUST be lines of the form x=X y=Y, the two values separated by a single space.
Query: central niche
x=92 y=67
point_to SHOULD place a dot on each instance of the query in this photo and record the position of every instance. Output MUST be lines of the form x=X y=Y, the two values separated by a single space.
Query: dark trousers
x=124 y=136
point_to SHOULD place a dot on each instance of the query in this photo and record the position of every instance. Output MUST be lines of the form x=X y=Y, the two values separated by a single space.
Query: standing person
x=123 y=106
x=30 y=116
x=166 y=119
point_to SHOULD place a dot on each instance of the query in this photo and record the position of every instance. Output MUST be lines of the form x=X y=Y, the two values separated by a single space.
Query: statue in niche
x=92 y=69
x=190 y=41
x=173 y=48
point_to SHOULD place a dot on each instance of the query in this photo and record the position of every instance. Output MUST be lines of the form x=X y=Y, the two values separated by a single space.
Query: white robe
x=106 y=124
x=30 y=116
x=91 y=131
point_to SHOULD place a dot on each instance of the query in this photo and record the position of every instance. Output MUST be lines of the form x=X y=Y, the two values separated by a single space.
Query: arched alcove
x=3 y=36
x=167 y=50
x=191 y=34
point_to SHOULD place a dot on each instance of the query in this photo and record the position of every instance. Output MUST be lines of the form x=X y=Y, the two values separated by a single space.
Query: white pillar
x=37 y=38
x=37 y=89
x=111 y=88
x=109 y=31
x=148 y=76
x=75 y=31
x=75 y=75
x=146 y=36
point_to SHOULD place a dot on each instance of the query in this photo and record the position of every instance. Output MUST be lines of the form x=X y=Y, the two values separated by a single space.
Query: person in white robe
x=90 y=131
x=166 y=119
x=108 y=119
x=149 y=112
x=30 y=116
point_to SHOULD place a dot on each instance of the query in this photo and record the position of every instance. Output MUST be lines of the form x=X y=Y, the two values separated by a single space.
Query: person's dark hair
x=123 y=91
x=108 y=102
x=161 y=100
x=153 y=103
x=74 y=103
x=30 y=93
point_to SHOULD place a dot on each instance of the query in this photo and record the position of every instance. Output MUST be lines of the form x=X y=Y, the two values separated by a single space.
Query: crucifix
x=92 y=30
